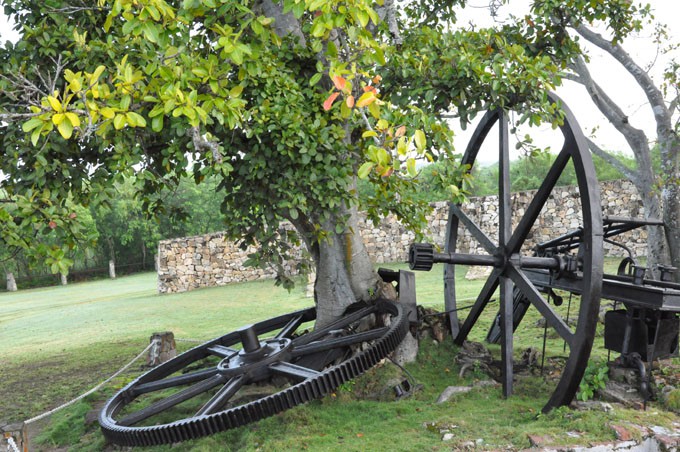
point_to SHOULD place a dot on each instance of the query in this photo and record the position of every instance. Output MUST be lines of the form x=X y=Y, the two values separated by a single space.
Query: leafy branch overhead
x=285 y=103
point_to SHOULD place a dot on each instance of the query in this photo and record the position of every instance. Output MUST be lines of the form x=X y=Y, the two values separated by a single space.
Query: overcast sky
x=619 y=84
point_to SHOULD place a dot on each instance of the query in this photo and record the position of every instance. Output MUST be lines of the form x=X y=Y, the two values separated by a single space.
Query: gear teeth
x=421 y=256
x=305 y=391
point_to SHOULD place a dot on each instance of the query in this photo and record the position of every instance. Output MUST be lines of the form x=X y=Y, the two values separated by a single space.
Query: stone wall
x=211 y=260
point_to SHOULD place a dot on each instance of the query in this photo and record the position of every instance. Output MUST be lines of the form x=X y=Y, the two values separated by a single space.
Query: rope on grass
x=96 y=388
x=11 y=445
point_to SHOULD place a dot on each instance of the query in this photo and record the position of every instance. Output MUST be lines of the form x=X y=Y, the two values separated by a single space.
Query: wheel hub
x=255 y=363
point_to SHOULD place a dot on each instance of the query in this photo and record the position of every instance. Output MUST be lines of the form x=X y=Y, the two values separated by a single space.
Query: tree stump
x=11 y=282
x=164 y=348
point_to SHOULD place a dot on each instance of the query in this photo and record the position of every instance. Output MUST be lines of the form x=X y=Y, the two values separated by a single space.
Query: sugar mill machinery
x=276 y=364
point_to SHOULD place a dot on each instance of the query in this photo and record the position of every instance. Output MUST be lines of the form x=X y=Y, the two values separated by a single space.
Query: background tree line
x=119 y=228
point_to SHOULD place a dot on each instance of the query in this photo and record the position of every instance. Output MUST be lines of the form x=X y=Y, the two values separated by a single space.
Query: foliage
x=284 y=105
x=594 y=379
x=672 y=400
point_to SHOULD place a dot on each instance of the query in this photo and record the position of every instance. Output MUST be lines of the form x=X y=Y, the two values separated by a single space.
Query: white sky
x=618 y=83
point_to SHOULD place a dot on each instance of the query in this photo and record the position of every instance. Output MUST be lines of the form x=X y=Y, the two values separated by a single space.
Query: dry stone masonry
x=212 y=260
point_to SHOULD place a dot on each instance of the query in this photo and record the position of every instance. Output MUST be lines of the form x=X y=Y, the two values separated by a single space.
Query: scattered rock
x=592 y=405
x=626 y=375
x=448 y=436
x=622 y=433
x=623 y=394
x=452 y=390
x=539 y=440
x=12 y=427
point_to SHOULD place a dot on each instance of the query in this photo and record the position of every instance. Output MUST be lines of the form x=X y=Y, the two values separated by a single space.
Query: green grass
x=58 y=342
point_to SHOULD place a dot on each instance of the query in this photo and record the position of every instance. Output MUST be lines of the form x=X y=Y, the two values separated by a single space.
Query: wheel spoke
x=337 y=325
x=482 y=300
x=474 y=229
x=293 y=371
x=339 y=342
x=171 y=401
x=540 y=303
x=171 y=382
x=220 y=399
x=506 y=334
x=290 y=327
x=504 y=203
x=221 y=351
x=542 y=194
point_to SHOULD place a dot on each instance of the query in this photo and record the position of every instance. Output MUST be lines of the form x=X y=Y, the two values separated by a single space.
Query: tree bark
x=344 y=271
x=643 y=176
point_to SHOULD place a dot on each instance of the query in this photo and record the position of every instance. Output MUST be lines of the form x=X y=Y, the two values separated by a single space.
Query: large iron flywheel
x=250 y=374
x=514 y=267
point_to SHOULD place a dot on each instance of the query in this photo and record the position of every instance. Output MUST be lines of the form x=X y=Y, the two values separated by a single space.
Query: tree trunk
x=344 y=271
x=63 y=279
x=671 y=219
x=143 y=256
x=11 y=282
x=112 y=269
x=656 y=250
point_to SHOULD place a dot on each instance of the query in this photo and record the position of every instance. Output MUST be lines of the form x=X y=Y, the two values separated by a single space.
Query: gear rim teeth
x=300 y=393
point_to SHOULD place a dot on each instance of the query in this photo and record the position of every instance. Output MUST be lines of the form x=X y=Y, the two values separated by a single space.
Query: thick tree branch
x=613 y=161
x=636 y=138
x=388 y=13
x=284 y=23
x=201 y=144
x=652 y=92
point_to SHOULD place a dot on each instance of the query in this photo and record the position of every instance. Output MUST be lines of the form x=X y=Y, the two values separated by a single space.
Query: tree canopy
x=286 y=103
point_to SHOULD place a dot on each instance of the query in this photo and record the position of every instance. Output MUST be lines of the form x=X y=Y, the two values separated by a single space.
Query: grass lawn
x=57 y=342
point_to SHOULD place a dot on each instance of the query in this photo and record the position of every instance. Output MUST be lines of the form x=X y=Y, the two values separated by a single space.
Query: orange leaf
x=350 y=101
x=369 y=88
x=329 y=102
x=400 y=131
x=359 y=435
x=366 y=99
x=376 y=79
x=339 y=82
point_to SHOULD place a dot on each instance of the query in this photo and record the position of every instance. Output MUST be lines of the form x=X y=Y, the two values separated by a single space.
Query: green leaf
x=35 y=136
x=65 y=129
x=293 y=214
x=369 y=133
x=73 y=119
x=411 y=167
x=365 y=170
x=420 y=140
x=315 y=79
x=31 y=124
x=363 y=18
x=157 y=123
x=119 y=121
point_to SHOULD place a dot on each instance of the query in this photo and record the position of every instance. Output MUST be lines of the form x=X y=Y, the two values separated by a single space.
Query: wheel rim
x=507 y=273
x=307 y=366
